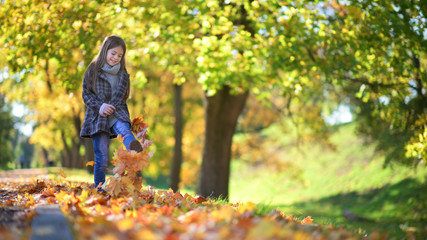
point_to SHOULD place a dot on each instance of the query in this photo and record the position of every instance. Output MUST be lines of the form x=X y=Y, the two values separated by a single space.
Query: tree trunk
x=66 y=153
x=47 y=160
x=221 y=114
x=77 y=144
x=89 y=153
x=177 y=157
x=76 y=159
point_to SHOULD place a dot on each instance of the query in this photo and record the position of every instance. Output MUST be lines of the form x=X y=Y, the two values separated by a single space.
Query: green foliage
x=384 y=73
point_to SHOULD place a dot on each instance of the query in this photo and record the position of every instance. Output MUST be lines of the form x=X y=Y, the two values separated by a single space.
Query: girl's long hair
x=99 y=61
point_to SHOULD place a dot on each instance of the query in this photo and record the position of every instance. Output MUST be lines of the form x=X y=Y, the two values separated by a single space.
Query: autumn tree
x=231 y=52
x=306 y=51
x=383 y=75
x=47 y=47
x=368 y=55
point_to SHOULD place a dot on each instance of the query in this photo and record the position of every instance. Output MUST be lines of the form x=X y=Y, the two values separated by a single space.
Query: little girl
x=105 y=91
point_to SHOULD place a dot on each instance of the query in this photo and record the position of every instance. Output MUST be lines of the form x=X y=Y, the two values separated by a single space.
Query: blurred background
x=314 y=107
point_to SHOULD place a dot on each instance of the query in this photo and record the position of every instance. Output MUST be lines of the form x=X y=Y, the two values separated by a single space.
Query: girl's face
x=114 y=55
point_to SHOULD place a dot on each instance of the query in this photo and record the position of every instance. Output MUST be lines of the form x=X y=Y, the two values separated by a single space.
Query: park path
x=49 y=223
x=23 y=175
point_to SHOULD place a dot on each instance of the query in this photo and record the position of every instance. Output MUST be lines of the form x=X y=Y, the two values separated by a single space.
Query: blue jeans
x=101 y=144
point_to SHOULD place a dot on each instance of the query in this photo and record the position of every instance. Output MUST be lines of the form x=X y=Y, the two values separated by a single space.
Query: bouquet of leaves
x=125 y=180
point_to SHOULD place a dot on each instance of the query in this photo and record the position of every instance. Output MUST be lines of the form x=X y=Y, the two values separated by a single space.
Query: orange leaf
x=91 y=163
x=120 y=138
x=96 y=200
x=245 y=223
x=307 y=220
x=138 y=125
x=115 y=185
x=199 y=199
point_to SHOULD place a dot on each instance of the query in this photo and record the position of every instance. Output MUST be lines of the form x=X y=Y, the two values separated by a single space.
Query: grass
x=327 y=185
x=73 y=174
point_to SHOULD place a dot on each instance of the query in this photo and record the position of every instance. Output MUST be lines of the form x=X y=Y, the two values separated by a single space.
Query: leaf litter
x=130 y=210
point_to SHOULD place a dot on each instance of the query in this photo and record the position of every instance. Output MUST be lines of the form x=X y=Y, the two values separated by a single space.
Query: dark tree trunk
x=47 y=160
x=71 y=155
x=76 y=159
x=89 y=153
x=177 y=157
x=66 y=153
x=222 y=112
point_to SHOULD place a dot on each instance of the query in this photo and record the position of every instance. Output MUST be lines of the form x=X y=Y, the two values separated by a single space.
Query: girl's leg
x=101 y=143
x=130 y=142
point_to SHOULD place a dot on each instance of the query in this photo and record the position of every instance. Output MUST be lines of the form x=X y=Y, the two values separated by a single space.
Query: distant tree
x=47 y=47
x=6 y=133
x=384 y=74
x=27 y=151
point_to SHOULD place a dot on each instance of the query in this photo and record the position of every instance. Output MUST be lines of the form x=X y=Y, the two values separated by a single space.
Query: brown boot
x=136 y=146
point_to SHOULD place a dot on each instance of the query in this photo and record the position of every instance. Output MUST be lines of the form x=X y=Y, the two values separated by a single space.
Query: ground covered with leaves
x=150 y=214
x=123 y=208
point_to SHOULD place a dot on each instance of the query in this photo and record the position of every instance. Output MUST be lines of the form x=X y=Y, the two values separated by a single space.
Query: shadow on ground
x=399 y=209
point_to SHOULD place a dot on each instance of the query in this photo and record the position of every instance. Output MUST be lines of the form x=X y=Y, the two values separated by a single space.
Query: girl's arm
x=89 y=97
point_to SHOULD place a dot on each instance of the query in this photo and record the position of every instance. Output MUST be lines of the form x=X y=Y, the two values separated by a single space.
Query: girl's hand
x=108 y=110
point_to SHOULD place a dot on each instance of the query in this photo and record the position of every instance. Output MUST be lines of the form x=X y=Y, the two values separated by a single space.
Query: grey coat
x=93 y=121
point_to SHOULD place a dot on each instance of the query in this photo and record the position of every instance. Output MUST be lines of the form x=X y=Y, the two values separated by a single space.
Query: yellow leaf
x=125 y=224
x=145 y=234
x=247 y=206
x=62 y=173
x=91 y=163
x=83 y=197
x=62 y=196
x=131 y=213
x=224 y=213
x=116 y=209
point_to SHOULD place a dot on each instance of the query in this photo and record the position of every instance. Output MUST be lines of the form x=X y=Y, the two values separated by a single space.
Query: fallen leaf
x=307 y=220
x=125 y=224
x=247 y=206
x=62 y=173
x=225 y=213
x=199 y=199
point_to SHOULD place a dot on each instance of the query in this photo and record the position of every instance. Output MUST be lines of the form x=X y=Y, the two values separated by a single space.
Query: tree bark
x=221 y=113
x=177 y=157
x=47 y=160
x=71 y=154
x=66 y=153
x=89 y=153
